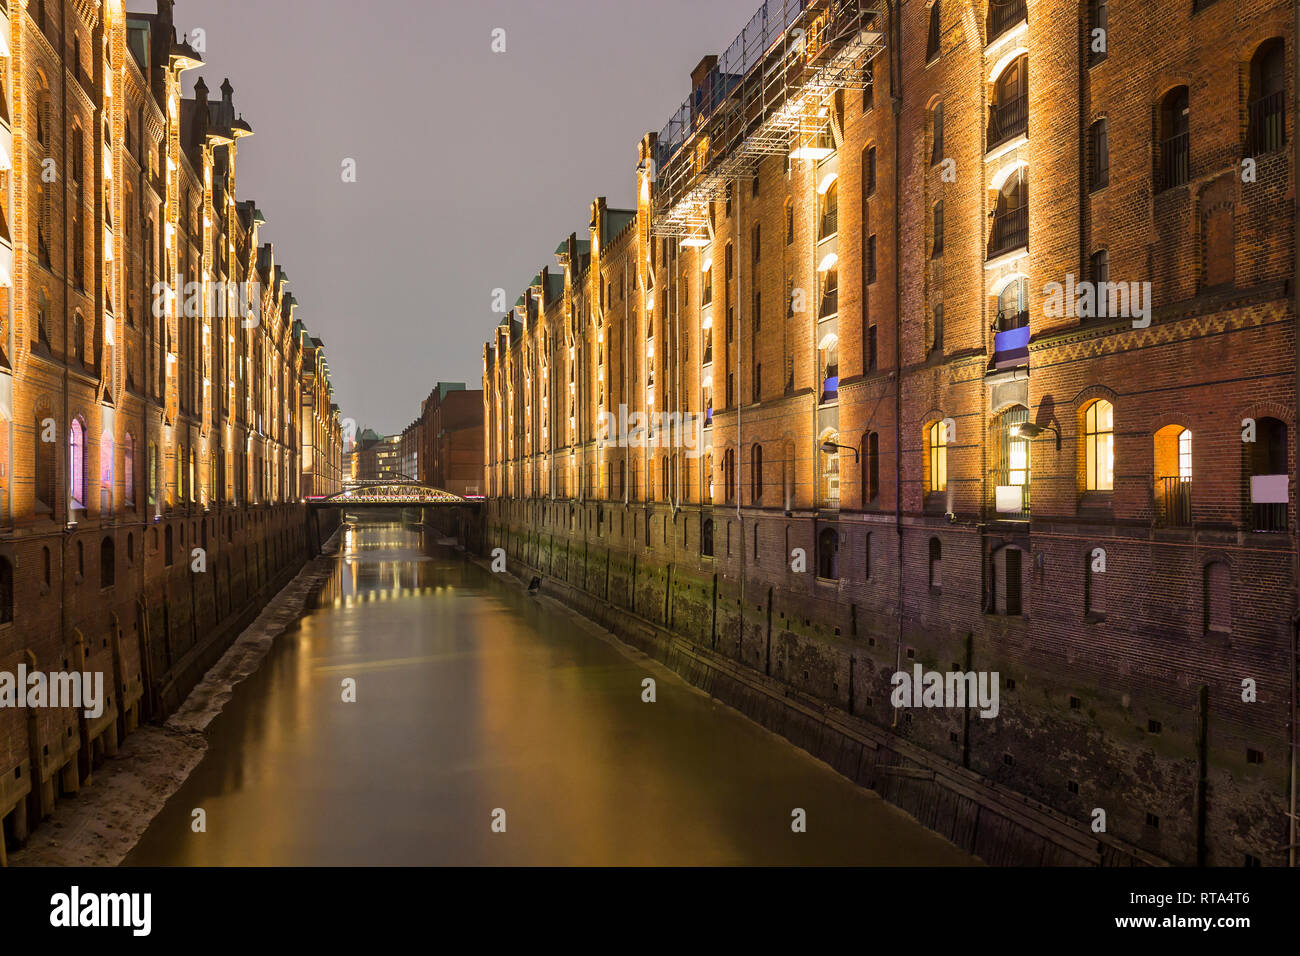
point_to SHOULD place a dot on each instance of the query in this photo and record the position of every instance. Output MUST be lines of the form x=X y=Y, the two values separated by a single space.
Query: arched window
x=829 y=212
x=1006 y=578
x=936 y=563
x=729 y=475
x=936 y=132
x=1011 y=215
x=1094 y=587
x=936 y=458
x=706 y=474
x=870 y=452
x=866 y=556
x=128 y=466
x=1173 y=152
x=868 y=170
x=1267 y=105
x=1009 y=109
x=168 y=557
x=153 y=474
x=1099 y=446
x=43 y=452
x=1013 y=305
x=829 y=490
x=106 y=466
x=77 y=464
x=706 y=538
x=1011 y=465
x=1269 y=475
x=79 y=338
x=828 y=352
x=6 y=591
x=1173 y=477
x=1217 y=598
x=830 y=293
x=828 y=546
x=756 y=474
x=107 y=566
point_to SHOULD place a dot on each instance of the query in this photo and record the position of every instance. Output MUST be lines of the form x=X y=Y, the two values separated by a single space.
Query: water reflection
x=472 y=697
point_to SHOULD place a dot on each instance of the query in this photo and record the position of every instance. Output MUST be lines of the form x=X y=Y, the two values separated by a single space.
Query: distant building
x=410 y=447
x=377 y=457
x=452 y=439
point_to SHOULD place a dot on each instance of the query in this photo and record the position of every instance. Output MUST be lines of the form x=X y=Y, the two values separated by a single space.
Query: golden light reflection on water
x=471 y=696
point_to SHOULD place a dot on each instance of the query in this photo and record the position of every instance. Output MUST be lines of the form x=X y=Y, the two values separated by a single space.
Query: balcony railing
x=829 y=224
x=1010 y=231
x=1268 y=517
x=1175 y=161
x=1267 y=131
x=830 y=303
x=1173 y=502
x=1008 y=119
x=1003 y=15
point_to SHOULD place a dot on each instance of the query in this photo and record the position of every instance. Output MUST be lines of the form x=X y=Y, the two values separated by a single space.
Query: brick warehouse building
x=849 y=253
x=135 y=427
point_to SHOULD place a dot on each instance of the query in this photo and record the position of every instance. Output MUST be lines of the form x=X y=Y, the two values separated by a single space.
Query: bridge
x=391 y=493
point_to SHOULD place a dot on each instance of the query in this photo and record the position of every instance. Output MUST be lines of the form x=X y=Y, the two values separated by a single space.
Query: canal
x=472 y=697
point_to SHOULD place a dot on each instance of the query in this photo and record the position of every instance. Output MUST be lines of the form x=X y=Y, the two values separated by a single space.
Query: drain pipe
x=896 y=104
x=1295 y=317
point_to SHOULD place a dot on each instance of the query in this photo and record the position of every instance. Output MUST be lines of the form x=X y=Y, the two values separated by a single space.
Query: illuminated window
x=77 y=464
x=936 y=450
x=1099 y=446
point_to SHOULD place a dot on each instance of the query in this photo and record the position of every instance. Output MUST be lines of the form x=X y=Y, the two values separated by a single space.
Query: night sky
x=471 y=166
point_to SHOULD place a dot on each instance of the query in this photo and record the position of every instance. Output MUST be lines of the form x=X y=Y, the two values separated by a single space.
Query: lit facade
x=865 y=307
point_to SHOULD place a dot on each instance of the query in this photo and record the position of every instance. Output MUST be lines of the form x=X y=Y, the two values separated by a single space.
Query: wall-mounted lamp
x=1030 y=431
x=829 y=448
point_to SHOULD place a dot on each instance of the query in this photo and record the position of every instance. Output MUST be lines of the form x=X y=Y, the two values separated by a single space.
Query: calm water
x=470 y=696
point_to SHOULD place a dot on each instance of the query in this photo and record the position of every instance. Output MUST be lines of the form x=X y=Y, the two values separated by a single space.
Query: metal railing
x=1010 y=230
x=1269 y=517
x=1003 y=15
x=830 y=224
x=1008 y=119
x=1173 y=502
x=1267 y=131
x=830 y=303
x=1175 y=161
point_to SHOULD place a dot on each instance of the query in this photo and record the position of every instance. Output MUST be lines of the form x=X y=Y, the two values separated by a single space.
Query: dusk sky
x=471 y=165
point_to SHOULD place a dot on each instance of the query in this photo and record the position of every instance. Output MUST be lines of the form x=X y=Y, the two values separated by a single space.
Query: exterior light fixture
x=829 y=448
x=1030 y=431
x=695 y=242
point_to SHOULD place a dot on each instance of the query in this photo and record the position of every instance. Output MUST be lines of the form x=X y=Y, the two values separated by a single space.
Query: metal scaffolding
x=764 y=97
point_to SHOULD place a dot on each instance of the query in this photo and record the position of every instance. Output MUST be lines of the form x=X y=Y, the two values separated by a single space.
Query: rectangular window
x=1100 y=165
x=758 y=245
x=936 y=129
x=871 y=259
x=938 y=230
x=932 y=41
x=1013 y=582
x=1098 y=19
x=869 y=174
x=937 y=344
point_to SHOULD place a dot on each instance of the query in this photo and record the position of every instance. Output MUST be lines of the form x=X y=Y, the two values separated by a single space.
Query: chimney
x=201 y=92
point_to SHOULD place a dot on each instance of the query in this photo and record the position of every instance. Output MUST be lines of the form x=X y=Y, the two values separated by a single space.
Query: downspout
x=1295 y=317
x=896 y=102
x=740 y=520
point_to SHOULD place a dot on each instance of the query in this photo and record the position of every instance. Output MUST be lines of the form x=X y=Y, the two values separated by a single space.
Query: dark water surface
x=472 y=697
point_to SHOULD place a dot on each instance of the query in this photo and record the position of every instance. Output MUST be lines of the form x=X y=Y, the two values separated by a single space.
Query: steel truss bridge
x=391 y=493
